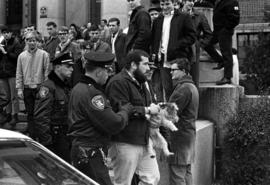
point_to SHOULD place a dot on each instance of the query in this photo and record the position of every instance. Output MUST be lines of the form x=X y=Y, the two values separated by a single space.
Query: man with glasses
x=154 y=12
x=32 y=70
x=53 y=40
x=66 y=44
x=92 y=120
x=182 y=142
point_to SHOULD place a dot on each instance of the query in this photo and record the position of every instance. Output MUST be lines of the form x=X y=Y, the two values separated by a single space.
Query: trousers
x=180 y=174
x=8 y=95
x=224 y=38
x=128 y=159
x=91 y=161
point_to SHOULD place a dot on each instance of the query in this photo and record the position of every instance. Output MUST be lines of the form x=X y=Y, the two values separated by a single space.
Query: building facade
x=255 y=18
x=20 y=13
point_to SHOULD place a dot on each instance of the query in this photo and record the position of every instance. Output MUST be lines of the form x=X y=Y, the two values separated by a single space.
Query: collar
x=129 y=76
x=32 y=51
x=138 y=7
x=185 y=79
x=171 y=13
x=88 y=80
x=115 y=35
x=53 y=76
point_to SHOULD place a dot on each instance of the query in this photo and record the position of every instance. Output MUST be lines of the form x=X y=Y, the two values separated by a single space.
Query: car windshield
x=24 y=163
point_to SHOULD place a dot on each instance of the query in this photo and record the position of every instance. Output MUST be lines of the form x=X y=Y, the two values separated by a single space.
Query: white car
x=26 y=162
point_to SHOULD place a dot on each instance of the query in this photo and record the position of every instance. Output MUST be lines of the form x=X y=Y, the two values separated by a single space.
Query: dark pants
x=90 y=161
x=224 y=38
x=166 y=80
x=4 y=94
x=29 y=101
x=195 y=73
x=157 y=85
x=60 y=142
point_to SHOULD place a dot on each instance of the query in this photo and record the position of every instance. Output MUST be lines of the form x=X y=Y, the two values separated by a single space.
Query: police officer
x=51 y=108
x=92 y=119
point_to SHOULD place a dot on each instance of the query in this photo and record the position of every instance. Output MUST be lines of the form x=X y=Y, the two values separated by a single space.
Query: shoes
x=224 y=81
x=219 y=66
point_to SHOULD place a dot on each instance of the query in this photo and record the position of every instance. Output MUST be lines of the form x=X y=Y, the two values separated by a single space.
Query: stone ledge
x=202 y=169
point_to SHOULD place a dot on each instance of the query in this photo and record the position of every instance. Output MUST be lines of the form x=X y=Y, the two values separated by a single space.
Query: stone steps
x=207 y=74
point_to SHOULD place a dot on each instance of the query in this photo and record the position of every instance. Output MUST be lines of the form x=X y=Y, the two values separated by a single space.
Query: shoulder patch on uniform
x=43 y=91
x=98 y=102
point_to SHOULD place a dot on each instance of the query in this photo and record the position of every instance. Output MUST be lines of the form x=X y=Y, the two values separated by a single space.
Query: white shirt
x=165 y=37
x=113 y=39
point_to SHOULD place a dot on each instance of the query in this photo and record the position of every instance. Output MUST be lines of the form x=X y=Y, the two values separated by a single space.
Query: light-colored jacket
x=32 y=68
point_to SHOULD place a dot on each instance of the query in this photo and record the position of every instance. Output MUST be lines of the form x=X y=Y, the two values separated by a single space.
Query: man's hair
x=90 y=68
x=104 y=20
x=53 y=24
x=63 y=29
x=32 y=25
x=94 y=27
x=135 y=56
x=114 y=19
x=32 y=33
x=182 y=64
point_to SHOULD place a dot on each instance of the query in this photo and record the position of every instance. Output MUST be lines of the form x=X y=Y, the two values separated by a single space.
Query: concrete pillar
x=55 y=12
x=3 y=12
x=115 y=8
x=26 y=14
x=76 y=12
x=219 y=104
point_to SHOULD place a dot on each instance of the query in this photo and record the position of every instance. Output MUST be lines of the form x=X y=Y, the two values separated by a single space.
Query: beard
x=139 y=76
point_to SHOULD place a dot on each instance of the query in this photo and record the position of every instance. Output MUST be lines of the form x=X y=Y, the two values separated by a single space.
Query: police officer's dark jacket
x=226 y=15
x=123 y=89
x=51 y=105
x=91 y=118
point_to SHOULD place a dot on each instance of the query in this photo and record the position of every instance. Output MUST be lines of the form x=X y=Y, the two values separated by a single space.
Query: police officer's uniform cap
x=64 y=58
x=99 y=59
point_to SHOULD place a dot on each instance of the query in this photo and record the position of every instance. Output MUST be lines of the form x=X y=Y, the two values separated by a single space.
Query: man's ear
x=98 y=72
x=133 y=66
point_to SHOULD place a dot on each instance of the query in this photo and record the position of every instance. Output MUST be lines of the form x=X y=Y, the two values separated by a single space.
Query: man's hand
x=128 y=108
x=153 y=109
x=2 y=49
x=20 y=94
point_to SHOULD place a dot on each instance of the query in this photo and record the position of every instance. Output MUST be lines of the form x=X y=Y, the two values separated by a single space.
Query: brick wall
x=253 y=11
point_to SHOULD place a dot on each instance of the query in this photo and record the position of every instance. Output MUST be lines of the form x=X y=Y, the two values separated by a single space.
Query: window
x=245 y=40
x=25 y=163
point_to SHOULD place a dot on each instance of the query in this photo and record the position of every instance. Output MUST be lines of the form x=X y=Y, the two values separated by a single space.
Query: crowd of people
x=87 y=89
